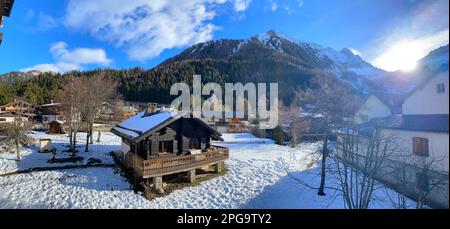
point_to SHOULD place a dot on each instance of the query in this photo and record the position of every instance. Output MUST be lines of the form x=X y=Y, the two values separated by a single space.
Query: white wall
x=11 y=119
x=7 y=119
x=372 y=108
x=426 y=100
x=47 y=119
x=437 y=142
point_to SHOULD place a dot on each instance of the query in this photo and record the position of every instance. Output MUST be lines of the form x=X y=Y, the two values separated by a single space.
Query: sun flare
x=401 y=56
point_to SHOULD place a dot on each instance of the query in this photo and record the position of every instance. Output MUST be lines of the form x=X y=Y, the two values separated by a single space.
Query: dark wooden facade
x=176 y=139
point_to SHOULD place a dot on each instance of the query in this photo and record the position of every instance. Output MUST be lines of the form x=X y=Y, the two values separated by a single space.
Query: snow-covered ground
x=244 y=138
x=260 y=175
x=32 y=159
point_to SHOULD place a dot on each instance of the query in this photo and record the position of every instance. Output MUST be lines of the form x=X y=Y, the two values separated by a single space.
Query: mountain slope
x=277 y=47
x=12 y=77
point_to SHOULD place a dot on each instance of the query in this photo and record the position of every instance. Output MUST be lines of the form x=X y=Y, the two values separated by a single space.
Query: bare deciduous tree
x=333 y=102
x=420 y=179
x=98 y=89
x=290 y=122
x=18 y=128
x=71 y=98
x=360 y=160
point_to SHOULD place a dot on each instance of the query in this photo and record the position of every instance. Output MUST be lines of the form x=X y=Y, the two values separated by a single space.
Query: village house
x=421 y=132
x=424 y=123
x=159 y=142
x=378 y=105
x=17 y=105
x=229 y=123
x=16 y=108
x=6 y=118
x=52 y=117
x=5 y=11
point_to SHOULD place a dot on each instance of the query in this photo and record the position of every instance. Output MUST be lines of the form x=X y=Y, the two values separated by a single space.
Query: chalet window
x=2 y=119
x=422 y=182
x=194 y=143
x=420 y=147
x=441 y=88
x=166 y=147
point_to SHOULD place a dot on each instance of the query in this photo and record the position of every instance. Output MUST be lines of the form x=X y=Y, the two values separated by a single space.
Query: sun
x=400 y=56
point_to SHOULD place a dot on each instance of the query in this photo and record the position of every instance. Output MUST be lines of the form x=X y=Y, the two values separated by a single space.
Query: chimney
x=151 y=108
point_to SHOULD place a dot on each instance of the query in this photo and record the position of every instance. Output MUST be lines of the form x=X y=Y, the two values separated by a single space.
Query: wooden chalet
x=16 y=108
x=51 y=116
x=229 y=123
x=5 y=11
x=18 y=105
x=160 y=142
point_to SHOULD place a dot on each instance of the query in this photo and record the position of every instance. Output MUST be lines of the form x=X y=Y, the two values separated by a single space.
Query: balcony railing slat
x=157 y=167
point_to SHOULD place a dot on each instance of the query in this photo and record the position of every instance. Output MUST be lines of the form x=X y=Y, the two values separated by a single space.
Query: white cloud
x=67 y=60
x=40 y=22
x=289 y=6
x=145 y=28
x=404 y=55
x=241 y=5
x=29 y=15
x=45 y=22
x=274 y=6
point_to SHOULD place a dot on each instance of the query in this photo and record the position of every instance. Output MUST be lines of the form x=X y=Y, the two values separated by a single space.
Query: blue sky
x=85 y=34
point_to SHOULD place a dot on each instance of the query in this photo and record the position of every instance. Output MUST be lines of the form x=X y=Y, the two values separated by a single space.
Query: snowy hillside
x=341 y=61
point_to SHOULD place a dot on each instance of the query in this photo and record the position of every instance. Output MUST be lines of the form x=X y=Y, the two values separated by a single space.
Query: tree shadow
x=289 y=193
x=99 y=179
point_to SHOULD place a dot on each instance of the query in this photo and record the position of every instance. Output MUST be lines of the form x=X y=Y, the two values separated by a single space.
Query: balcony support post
x=158 y=184
x=219 y=167
x=191 y=176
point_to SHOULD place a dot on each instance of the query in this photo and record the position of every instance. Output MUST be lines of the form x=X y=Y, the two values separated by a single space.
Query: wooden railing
x=170 y=165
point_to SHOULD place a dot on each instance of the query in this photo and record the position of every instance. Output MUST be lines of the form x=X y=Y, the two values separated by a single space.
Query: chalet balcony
x=170 y=165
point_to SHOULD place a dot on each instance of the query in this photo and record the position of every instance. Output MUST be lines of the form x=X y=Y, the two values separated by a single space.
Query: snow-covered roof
x=51 y=105
x=140 y=124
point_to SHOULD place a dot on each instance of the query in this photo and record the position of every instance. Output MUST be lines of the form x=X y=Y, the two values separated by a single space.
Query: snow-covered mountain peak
x=348 y=52
x=273 y=35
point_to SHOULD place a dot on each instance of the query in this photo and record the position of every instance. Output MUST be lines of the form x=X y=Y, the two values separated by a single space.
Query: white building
x=9 y=118
x=373 y=107
x=420 y=128
x=423 y=133
x=6 y=118
x=51 y=113
x=424 y=124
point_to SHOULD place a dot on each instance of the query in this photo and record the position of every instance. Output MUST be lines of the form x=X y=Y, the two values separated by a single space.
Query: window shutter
x=425 y=147
x=420 y=146
x=416 y=146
